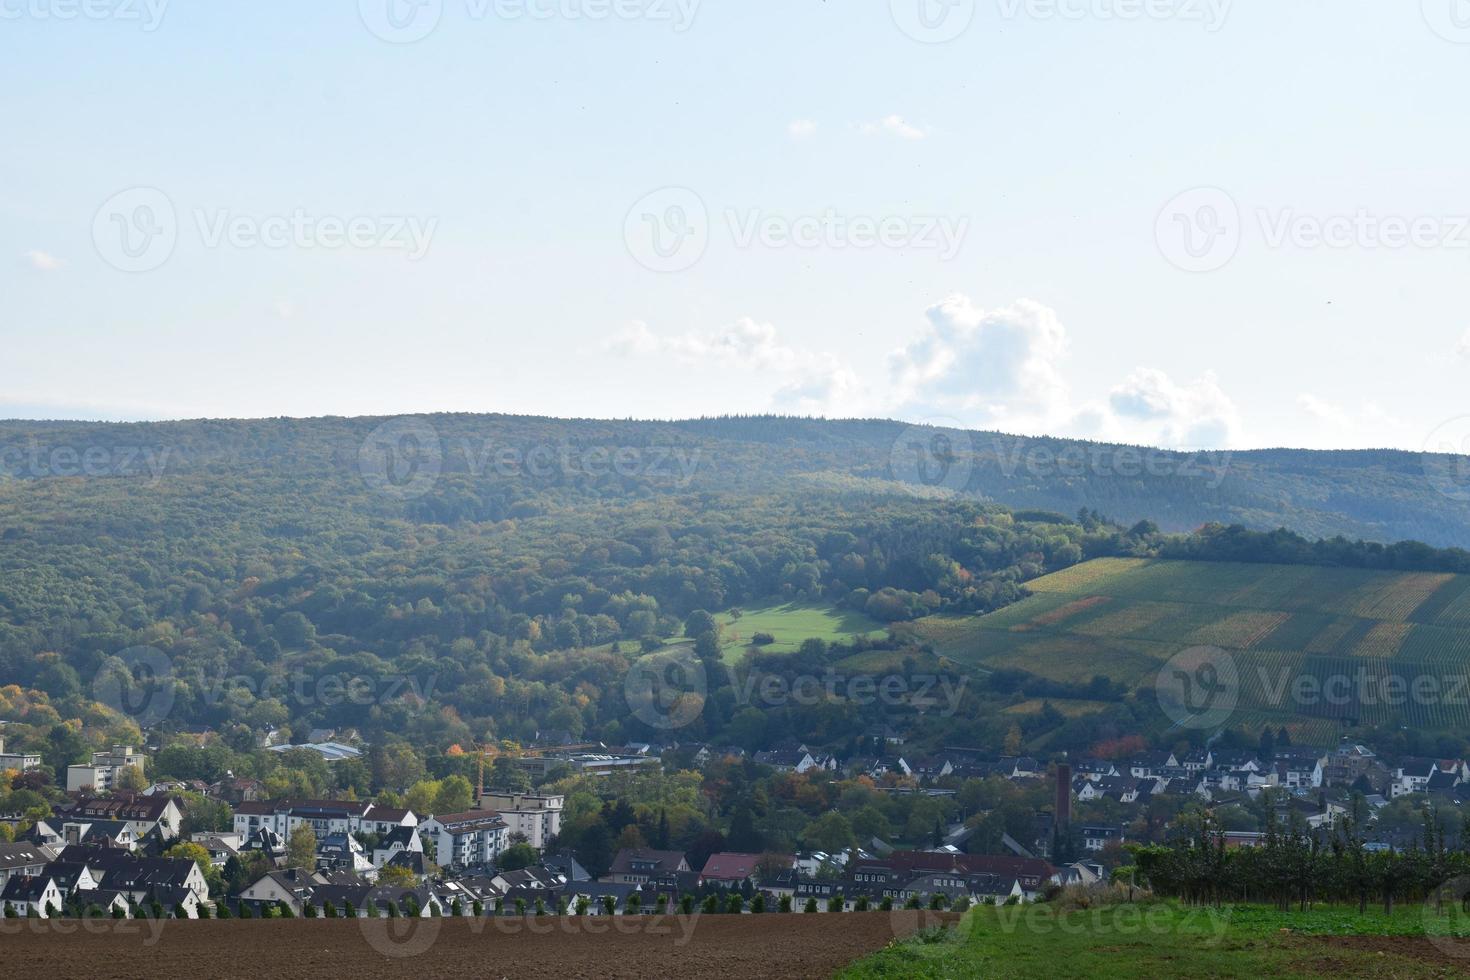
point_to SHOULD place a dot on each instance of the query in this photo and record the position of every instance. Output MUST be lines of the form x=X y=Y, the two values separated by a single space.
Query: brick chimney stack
x=1064 y=795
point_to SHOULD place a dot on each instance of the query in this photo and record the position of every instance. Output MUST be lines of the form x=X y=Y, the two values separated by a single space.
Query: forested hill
x=525 y=564
x=481 y=469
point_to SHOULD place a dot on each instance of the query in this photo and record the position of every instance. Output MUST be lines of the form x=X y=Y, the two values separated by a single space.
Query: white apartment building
x=537 y=818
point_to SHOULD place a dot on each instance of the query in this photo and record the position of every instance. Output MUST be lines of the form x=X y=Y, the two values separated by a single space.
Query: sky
x=1185 y=223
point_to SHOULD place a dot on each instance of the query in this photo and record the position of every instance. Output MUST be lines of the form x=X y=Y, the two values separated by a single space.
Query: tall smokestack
x=1064 y=795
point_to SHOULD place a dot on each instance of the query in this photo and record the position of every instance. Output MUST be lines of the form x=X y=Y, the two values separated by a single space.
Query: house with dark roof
x=731 y=870
x=38 y=895
x=634 y=866
x=143 y=814
x=23 y=858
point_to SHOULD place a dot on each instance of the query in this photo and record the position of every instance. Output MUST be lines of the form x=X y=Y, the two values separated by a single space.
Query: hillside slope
x=1324 y=646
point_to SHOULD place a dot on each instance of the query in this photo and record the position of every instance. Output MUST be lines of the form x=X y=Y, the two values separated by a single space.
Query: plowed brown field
x=723 y=946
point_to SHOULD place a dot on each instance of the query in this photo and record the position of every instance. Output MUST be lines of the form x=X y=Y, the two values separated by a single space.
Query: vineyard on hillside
x=1315 y=648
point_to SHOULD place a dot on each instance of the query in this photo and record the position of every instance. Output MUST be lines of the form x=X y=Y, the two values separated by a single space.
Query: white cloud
x=43 y=261
x=801 y=129
x=894 y=125
x=995 y=367
x=991 y=369
x=1463 y=348
x=1334 y=426
x=809 y=382
x=1195 y=415
x=1003 y=369
x=635 y=339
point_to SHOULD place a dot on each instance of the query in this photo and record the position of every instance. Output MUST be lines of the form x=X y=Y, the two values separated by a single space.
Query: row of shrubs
x=733 y=904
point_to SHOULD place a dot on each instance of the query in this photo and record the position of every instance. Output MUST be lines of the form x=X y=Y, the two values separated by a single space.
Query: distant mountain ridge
x=1382 y=495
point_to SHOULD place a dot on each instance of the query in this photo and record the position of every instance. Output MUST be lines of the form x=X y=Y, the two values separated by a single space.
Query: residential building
x=19 y=761
x=635 y=866
x=537 y=818
x=101 y=775
x=471 y=839
x=24 y=859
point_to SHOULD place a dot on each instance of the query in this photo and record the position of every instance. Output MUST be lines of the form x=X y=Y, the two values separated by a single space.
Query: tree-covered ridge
x=1370 y=494
x=510 y=593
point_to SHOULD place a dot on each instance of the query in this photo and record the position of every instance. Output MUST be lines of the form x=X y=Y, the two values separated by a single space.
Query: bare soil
x=774 y=947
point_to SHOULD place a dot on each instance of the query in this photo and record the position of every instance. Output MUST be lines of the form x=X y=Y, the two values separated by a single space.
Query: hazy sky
x=1179 y=222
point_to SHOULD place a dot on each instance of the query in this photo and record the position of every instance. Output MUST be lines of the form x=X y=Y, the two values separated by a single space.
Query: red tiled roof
x=730 y=866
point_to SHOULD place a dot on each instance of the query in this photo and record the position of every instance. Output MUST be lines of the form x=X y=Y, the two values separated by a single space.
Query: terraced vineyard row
x=1312 y=645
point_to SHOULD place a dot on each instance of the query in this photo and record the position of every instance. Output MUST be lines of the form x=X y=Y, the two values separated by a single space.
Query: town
x=125 y=840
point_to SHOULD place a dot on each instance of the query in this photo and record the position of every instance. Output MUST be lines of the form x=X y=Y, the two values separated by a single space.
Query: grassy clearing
x=791 y=623
x=1165 y=940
